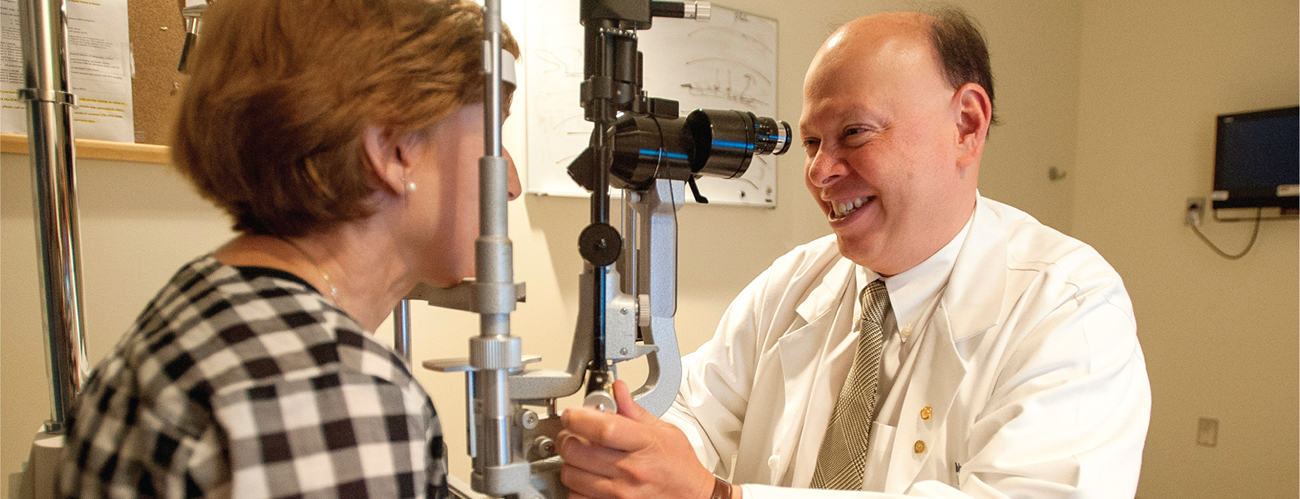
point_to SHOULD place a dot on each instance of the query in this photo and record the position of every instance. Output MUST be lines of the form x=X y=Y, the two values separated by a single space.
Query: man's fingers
x=583 y=483
x=593 y=459
x=610 y=430
x=629 y=408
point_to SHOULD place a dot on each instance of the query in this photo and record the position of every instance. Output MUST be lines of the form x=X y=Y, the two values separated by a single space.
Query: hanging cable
x=1258 y=213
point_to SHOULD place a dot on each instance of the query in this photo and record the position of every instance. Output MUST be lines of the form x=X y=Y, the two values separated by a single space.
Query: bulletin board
x=157 y=35
x=728 y=62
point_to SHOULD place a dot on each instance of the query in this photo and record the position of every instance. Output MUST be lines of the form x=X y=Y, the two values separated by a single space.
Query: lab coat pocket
x=875 y=471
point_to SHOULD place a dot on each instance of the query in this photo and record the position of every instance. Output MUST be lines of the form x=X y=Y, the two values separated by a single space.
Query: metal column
x=54 y=184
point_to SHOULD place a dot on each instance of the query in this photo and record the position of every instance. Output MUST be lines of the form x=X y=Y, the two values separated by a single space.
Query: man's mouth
x=840 y=211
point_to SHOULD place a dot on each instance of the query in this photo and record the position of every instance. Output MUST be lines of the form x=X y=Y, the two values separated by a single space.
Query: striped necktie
x=844 y=448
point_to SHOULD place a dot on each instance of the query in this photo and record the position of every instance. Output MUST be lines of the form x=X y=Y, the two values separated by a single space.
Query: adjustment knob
x=600 y=244
x=643 y=310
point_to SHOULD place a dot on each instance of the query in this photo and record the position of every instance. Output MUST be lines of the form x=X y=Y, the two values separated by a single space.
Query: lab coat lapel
x=978 y=282
x=806 y=368
x=934 y=385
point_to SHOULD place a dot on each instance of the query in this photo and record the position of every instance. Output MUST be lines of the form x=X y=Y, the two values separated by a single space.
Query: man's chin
x=850 y=246
x=857 y=247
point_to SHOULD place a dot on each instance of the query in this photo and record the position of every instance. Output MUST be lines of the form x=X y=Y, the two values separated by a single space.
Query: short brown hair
x=271 y=124
x=963 y=54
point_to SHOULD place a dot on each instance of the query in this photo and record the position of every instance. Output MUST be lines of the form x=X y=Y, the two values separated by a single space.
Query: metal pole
x=597 y=48
x=54 y=185
x=402 y=329
x=494 y=264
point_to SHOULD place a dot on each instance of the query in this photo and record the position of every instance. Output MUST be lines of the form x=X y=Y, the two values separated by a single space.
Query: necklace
x=334 y=290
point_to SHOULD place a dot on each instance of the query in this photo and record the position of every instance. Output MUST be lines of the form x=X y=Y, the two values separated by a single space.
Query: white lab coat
x=1030 y=379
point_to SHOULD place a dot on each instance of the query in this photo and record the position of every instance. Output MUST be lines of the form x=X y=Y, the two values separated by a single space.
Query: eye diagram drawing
x=732 y=80
x=567 y=60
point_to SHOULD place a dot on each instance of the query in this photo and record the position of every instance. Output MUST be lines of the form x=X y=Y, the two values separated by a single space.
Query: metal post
x=49 y=125
x=402 y=329
x=494 y=353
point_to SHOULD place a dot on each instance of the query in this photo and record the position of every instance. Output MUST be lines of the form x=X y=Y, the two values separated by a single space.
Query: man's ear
x=387 y=160
x=974 y=115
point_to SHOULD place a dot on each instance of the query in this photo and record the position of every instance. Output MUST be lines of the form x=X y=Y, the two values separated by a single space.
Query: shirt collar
x=912 y=288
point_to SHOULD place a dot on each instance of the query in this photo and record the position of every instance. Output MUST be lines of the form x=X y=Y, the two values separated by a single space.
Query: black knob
x=600 y=244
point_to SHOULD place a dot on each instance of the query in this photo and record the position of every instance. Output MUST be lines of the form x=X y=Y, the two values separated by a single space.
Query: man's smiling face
x=880 y=129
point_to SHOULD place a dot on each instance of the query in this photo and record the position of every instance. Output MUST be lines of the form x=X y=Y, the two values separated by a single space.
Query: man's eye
x=810 y=146
x=857 y=136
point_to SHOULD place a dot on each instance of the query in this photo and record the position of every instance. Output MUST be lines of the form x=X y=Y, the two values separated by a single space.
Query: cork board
x=157 y=35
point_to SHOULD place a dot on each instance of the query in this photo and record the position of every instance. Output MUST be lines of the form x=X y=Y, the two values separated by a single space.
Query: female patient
x=342 y=137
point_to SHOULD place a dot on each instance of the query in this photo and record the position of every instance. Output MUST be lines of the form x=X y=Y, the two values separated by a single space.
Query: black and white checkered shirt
x=245 y=382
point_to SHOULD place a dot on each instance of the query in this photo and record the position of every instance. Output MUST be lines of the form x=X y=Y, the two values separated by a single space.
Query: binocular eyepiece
x=707 y=142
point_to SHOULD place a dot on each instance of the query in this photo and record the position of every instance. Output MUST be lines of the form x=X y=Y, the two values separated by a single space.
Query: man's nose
x=825 y=168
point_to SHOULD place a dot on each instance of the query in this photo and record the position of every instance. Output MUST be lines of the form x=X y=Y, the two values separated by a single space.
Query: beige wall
x=1067 y=78
x=1220 y=336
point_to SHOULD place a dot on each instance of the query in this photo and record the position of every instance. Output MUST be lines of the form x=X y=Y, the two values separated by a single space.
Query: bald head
x=897 y=41
x=956 y=41
x=874 y=31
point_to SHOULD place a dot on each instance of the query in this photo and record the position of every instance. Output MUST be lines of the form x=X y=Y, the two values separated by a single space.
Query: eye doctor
x=939 y=344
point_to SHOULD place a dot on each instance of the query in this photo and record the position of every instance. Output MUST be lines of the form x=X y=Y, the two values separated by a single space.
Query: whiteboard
x=728 y=62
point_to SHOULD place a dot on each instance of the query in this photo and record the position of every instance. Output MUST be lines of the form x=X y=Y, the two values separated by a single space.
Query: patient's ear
x=388 y=161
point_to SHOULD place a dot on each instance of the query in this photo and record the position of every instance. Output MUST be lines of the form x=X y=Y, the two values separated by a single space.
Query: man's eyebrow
x=854 y=112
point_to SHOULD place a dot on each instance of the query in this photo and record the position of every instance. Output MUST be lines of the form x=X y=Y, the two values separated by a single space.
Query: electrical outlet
x=1195 y=212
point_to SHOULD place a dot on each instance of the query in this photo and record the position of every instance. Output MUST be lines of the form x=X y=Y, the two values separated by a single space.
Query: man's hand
x=629 y=455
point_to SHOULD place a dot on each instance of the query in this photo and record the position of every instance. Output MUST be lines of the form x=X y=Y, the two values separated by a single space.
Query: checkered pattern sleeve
x=251 y=386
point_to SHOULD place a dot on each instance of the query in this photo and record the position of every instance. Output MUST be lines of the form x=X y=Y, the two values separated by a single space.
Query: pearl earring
x=410 y=187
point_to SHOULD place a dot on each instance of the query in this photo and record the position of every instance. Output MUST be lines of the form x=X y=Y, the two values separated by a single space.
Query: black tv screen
x=1257 y=160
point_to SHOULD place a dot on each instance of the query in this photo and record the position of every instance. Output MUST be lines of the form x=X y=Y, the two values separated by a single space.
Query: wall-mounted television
x=1257 y=163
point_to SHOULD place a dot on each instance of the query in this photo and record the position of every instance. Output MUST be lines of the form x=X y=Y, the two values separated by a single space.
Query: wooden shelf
x=97 y=149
